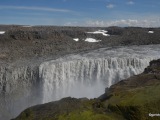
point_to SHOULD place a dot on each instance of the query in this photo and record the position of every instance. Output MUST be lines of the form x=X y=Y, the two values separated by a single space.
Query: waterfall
x=86 y=77
x=18 y=89
x=23 y=84
x=88 y=74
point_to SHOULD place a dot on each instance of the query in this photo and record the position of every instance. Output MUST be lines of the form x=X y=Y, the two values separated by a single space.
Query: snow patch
x=150 y=31
x=103 y=32
x=91 y=40
x=27 y=26
x=2 y=32
x=76 y=39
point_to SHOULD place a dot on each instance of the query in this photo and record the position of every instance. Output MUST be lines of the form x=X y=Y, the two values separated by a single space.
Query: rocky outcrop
x=153 y=68
x=133 y=99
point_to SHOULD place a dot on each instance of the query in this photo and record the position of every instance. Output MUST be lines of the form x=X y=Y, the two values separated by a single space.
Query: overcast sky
x=144 y=13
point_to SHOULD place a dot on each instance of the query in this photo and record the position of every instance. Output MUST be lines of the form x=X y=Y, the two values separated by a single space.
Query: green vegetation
x=84 y=115
x=27 y=115
x=136 y=103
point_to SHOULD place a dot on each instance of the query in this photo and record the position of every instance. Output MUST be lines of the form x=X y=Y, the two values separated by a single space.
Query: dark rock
x=155 y=63
x=154 y=67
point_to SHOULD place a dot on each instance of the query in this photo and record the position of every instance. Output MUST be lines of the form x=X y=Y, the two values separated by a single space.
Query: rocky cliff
x=135 y=98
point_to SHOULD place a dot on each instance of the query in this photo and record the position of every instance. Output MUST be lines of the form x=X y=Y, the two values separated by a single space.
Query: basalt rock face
x=153 y=67
x=133 y=99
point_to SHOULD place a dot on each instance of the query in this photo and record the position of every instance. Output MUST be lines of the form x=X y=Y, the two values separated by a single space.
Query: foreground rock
x=132 y=99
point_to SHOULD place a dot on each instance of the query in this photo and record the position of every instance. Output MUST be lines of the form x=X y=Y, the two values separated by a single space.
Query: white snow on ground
x=27 y=26
x=103 y=32
x=2 y=32
x=91 y=40
x=150 y=31
x=76 y=39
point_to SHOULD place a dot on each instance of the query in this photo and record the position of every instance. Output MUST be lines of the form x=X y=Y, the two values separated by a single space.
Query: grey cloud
x=130 y=3
x=110 y=6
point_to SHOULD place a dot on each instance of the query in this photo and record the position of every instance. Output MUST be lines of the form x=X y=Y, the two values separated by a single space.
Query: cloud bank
x=35 y=8
x=154 y=22
x=146 y=22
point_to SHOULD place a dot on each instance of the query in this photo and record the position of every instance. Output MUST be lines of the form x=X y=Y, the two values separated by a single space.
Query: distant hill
x=27 y=42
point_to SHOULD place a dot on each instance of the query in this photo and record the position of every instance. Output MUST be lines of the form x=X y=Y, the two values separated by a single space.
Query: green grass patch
x=85 y=115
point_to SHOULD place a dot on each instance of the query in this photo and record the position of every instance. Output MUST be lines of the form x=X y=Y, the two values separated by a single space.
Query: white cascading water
x=88 y=74
x=86 y=77
x=18 y=84
x=81 y=75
